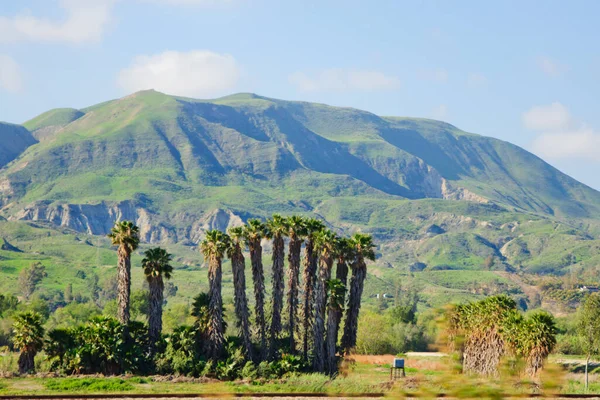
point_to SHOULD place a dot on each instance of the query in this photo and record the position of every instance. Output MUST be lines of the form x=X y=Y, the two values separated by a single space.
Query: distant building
x=589 y=289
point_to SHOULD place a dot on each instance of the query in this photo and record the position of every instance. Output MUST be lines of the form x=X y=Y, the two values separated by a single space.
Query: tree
x=345 y=254
x=296 y=230
x=28 y=338
x=238 y=266
x=324 y=246
x=254 y=231
x=213 y=248
x=588 y=329
x=124 y=235
x=337 y=292
x=30 y=277
x=157 y=265
x=309 y=276
x=276 y=230
x=363 y=246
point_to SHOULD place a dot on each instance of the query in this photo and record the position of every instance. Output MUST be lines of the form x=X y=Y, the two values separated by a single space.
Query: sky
x=527 y=72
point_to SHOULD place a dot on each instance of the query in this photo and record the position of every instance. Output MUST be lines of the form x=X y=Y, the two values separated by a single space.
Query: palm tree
x=238 y=266
x=345 y=254
x=125 y=235
x=363 y=246
x=309 y=275
x=156 y=264
x=254 y=231
x=324 y=245
x=276 y=230
x=296 y=230
x=337 y=293
x=213 y=248
x=29 y=338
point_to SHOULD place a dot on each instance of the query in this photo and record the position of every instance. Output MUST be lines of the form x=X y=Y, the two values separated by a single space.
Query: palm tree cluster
x=312 y=310
x=484 y=332
x=322 y=248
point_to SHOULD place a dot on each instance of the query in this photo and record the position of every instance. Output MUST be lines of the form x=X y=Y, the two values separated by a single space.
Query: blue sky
x=523 y=71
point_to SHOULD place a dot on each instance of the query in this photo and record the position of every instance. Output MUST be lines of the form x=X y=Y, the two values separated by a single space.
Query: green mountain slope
x=436 y=198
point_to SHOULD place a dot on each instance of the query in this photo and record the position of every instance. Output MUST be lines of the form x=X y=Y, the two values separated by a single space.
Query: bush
x=182 y=355
x=99 y=347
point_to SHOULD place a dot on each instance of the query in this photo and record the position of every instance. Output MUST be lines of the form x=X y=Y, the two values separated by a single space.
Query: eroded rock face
x=98 y=219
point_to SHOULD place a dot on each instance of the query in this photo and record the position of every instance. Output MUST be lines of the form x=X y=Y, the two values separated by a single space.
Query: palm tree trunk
x=341 y=272
x=123 y=286
x=278 y=288
x=334 y=316
x=216 y=334
x=320 y=307
x=258 y=278
x=26 y=362
x=155 y=317
x=308 y=275
x=295 y=247
x=241 y=301
x=357 y=282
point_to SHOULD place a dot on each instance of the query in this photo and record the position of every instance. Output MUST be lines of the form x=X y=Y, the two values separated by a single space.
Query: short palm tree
x=345 y=255
x=157 y=266
x=309 y=276
x=254 y=231
x=213 y=248
x=337 y=294
x=238 y=266
x=125 y=235
x=325 y=246
x=276 y=231
x=363 y=247
x=28 y=338
x=296 y=230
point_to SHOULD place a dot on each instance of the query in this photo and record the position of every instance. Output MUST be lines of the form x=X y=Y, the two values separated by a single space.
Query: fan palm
x=157 y=266
x=324 y=245
x=125 y=235
x=213 y=248
x=309 y=275
x=28 y=338
x=337 y=294
x=296 y=230
x=238 y=266
x=276 y=230
x=254 y=231
x=345 y=254
x=363 y=247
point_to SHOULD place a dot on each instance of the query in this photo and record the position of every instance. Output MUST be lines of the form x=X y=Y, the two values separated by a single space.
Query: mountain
x=438 y=200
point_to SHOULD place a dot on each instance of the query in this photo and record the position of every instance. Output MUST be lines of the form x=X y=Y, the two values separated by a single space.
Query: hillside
x=443 y=204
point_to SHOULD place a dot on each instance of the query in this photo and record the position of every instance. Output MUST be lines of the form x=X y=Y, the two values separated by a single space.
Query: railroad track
x=258 y=395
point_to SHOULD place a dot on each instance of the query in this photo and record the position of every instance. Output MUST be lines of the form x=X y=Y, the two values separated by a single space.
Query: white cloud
x=476 y=80
x=560 y=135
x=10 y=75
x=552 y=117
x=440 y=112
x=580 y=143
x=338 y=79
x=551 y=67
x=85 y=21
x=439 y=75
x=198 y=73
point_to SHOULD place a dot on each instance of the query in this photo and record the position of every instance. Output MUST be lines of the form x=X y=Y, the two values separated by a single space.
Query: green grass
x=88 y=385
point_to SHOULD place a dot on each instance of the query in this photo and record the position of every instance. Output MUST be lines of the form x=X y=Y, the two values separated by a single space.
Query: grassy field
x=425 y=375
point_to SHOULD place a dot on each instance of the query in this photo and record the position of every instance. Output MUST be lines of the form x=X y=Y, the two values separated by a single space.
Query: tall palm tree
x=325 y=245
x=345 y=254
x=238 y=266
x=125 y=235
x=28 y=338
x=296 y=230
x=214 y=247
x=276 y=231
x=254 y=231
x=309 y=276
x=337 y=294
x=363 y=247
x=157 y=265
